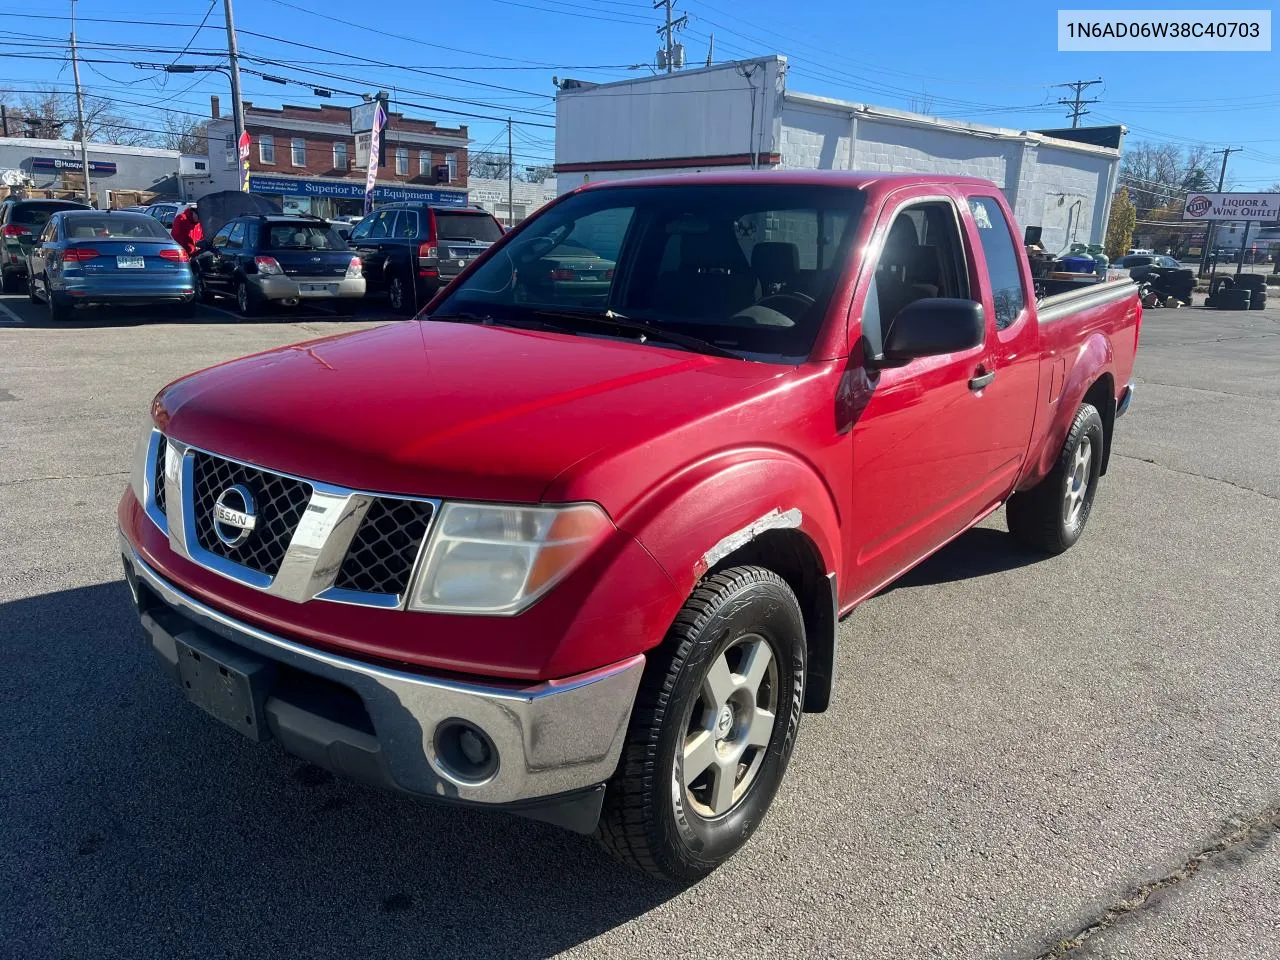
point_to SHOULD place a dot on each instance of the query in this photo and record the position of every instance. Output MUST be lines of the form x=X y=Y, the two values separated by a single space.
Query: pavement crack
x=1202 y=476
x=70 y=476
x=1239 y=838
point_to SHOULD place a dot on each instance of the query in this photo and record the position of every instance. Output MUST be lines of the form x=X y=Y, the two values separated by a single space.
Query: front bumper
x=556 y=742
x=274 y=287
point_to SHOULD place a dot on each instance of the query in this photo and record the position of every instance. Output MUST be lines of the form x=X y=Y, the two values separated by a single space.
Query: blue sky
x=986 y=61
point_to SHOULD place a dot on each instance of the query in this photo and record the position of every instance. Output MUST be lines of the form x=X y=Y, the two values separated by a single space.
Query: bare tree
x=51 y=115
x=185 y=134
x=488 y=164
x=1158 y=174
x=537 y=174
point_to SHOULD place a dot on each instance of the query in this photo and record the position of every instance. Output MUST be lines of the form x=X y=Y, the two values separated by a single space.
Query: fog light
x=464 y=752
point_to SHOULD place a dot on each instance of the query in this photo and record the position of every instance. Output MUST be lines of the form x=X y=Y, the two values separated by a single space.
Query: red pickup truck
x=575 y=542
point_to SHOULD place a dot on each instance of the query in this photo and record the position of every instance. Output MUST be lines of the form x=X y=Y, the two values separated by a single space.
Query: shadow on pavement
x=977 y=553
x=136 y=826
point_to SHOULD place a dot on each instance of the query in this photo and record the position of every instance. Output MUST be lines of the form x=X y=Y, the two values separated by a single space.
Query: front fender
x=695 y=518
x=1093 y=360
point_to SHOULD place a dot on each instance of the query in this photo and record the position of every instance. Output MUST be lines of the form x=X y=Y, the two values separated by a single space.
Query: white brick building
x=742 y=115
x=525 y=197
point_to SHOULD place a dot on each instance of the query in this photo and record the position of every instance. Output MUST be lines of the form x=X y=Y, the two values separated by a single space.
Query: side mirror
x=933 y=326
x=204 y=245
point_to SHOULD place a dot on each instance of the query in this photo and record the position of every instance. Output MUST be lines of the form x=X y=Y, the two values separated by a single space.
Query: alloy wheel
x=729 y=727
x=1078 y=479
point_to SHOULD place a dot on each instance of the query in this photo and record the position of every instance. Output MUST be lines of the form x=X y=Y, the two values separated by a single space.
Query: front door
x=370 y=239
x=921 y=463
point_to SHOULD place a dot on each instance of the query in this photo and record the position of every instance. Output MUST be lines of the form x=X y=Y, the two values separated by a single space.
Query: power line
x=1076 y=104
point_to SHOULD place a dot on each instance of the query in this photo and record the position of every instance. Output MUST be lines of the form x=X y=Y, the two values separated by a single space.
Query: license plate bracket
x=317 y=289
x=226 y=682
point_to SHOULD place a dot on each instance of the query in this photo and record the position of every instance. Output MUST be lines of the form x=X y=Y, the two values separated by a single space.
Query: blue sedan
x=85 y=257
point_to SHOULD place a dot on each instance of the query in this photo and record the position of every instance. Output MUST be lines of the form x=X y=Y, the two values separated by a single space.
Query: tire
x=1258 y=301
x=57 y=311
x=246 y=304
x=1052 y=515
x=8 y=283
x=400 y=294
x=31 y=291
x=1253 y=282
x=681 y=830
x=202 y=294
x=1232 y=298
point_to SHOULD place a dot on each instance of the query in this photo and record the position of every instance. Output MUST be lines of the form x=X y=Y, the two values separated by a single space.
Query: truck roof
x=852 y=179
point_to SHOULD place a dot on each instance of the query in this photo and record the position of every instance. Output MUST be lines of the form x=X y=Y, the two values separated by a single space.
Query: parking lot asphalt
x=1023 y=755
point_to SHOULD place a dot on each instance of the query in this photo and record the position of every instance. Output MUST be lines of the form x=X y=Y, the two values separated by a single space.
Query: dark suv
x=410 y=250
x=20 y=223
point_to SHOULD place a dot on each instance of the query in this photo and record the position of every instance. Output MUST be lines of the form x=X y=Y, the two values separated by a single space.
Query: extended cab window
x=1003 y=265
x=921 y=257
x=748 y=268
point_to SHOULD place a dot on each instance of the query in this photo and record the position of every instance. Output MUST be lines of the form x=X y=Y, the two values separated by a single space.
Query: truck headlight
x=492 y=559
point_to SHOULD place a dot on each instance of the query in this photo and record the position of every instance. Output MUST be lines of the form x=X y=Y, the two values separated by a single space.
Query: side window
x=235 y=239
x=361 y=229
x=1003 y=267
x=220 y=238
x=50 y=232
x=407 y=224
x=382 y=224
x=251 y=236
x=922 y=257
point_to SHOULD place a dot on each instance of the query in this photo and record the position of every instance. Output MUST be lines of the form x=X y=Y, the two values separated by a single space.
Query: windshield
x=467 y=226
x=748 y=267
x=37 y=214
x=88 y=225
x=303 y=236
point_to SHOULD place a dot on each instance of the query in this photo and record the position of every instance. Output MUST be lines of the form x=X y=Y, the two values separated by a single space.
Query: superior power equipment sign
x=1232 y=206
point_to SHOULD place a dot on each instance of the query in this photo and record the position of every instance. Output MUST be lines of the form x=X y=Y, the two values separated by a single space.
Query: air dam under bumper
x=554 y=743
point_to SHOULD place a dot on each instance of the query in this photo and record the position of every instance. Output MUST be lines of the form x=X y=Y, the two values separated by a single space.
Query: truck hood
x=450 y=410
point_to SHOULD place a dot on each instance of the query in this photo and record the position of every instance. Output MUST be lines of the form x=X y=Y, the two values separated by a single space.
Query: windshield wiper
x=647 y=331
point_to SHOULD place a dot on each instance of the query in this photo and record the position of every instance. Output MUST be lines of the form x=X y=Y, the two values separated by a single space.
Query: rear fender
x=1093 y=361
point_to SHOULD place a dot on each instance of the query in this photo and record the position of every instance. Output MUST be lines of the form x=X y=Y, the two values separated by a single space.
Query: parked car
x=284 y=259
x=411 y=249
x=586 y=563
x=107 y=257
x=165 y=211
x=1148 y=260
x=20 y=223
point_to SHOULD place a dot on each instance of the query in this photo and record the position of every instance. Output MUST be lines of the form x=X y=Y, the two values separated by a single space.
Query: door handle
x=980 y=381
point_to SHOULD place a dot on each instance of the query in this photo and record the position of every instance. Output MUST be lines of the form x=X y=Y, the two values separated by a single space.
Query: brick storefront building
x=304 y=157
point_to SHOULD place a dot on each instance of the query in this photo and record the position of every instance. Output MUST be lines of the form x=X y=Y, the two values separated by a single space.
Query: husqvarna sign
x=1232 y=206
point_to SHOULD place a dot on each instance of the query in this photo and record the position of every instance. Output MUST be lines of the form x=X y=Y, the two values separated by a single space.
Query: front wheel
x=400 y=293
x=713 y=727
x=1052 y=515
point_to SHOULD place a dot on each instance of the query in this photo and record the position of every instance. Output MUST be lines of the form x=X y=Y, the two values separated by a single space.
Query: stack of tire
x=1248 y=291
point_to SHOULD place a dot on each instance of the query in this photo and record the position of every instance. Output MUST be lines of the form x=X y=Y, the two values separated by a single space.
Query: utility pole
x=711 y=50
x=75 y=72
x=667 y=55
x=1075 y=104
x=511 y=180
x=237 y=105
x=1211 y=227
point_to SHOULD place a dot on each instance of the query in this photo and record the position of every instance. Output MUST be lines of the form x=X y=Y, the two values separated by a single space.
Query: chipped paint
x=775 y=519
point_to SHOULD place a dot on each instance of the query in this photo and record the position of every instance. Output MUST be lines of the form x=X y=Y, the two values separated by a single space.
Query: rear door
x=921 y=463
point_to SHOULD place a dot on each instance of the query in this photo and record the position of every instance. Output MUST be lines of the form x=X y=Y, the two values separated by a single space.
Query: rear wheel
x=713 y=728
x=8 y=283
x=57 y=310
x=246 y=303
x=31 y=289
x=202 y=294
x=400 y=294
x=1052 y=515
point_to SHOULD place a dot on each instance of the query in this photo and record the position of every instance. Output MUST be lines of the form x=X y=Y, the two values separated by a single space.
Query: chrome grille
x=157 y=479
x=280 y=503
x=381 y=556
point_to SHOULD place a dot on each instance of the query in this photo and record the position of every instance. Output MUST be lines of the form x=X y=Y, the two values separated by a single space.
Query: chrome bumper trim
x=552 y=737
